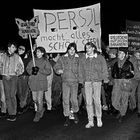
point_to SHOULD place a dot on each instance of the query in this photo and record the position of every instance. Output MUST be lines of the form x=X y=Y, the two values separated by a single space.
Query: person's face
x=112 y=55
x=12 y=49
x=21 y=51
x=89 y=49
x=137 y=55
x=39 y=54
x=57 y=57
x=71 y=51
x=121 y=55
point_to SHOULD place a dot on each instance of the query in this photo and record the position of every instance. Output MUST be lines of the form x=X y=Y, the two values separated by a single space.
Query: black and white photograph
x=70 y=70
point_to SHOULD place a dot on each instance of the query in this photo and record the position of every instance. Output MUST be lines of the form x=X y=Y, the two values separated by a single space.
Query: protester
x=68 y=67
x=94 y=72
x=56 y=83
x=81 y=90
x=38 y=82
x=30 y=52
x=2 y=94
x=112 y=52
x=12 y=67
x=29 y=55
x=122 y=72
x=135 y=94
x=23 y=88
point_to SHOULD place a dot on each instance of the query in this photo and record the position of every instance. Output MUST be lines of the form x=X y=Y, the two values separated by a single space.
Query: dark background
x=113 y=15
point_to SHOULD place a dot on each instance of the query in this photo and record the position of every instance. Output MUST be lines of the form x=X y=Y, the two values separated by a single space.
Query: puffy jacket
x=70 y=66
x=94 y=69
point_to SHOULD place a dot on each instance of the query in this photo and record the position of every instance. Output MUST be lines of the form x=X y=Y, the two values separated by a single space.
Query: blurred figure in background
x=112 y=52
x=48 y=93
x=2 y=94
x=56 y=83
x=23 y=88
x=135 y=94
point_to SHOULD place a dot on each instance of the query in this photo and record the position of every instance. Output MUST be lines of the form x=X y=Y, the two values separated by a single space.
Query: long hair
x=73 y=44
x=92 y=45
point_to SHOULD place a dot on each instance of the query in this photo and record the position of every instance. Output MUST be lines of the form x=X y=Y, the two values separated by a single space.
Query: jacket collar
x=66 y=55
x=91 y=56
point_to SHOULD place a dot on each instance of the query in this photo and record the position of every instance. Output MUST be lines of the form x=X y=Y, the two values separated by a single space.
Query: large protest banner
x=60 y=27
x=118 y=40
x=133 y=31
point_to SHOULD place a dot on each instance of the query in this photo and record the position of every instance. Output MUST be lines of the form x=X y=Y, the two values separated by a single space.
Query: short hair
x=12 y=43
x=72 y=45
x=42 y=49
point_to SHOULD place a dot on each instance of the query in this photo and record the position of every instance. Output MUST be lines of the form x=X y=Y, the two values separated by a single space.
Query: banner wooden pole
x=32 y=50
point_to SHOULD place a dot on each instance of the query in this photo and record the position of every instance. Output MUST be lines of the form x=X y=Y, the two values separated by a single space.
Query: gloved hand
x=80 y=85
x=35 y=70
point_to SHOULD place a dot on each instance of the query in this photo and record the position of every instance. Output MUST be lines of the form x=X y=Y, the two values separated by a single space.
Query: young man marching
x=94 y=71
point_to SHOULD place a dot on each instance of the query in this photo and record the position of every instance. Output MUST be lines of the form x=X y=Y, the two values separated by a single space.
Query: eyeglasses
x=21 y=49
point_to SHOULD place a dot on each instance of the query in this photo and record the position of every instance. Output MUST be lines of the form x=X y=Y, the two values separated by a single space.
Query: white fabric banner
x=58 y=28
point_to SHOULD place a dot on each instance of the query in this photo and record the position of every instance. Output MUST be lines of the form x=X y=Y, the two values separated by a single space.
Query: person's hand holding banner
x=35 y=70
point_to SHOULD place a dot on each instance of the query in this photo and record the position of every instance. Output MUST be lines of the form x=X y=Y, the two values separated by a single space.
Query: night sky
x=113 y=15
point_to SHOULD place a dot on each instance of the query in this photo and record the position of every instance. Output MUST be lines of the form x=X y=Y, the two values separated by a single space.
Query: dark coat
x=39 y=82
x=124 y=72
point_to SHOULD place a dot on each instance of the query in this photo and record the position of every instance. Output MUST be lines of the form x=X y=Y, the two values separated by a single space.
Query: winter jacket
x=94 y=69
x=39 y=82
x=124 y=72
x=70 y=67
x=136 y=64
x=11 y=64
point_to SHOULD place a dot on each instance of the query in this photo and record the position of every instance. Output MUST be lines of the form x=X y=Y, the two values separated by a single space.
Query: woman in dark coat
x=38 y=80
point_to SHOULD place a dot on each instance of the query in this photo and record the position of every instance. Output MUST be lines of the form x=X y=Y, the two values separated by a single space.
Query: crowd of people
x=69 y=80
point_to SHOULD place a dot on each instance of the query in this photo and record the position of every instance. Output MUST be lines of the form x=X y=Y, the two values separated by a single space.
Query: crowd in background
x=89 y=80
